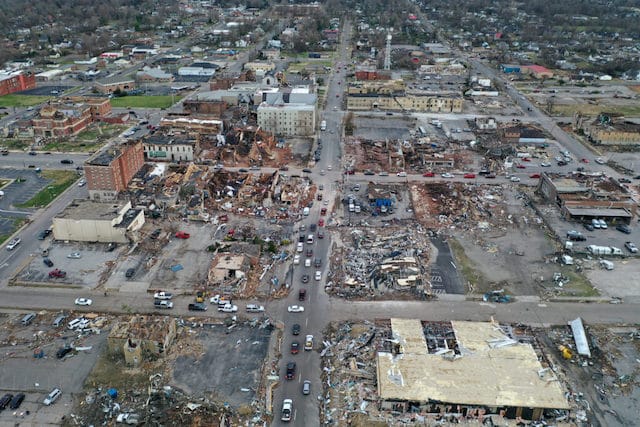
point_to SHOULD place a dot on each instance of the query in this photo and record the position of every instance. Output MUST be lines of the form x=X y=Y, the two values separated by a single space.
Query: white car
x=631 y=247
x=318 y=275
x=515 y=179
x=163 y=304
x=545 y=164
x=75 y=255
x=295 y=309
x=82 y=182
x=296 y=259
x=600 y=161
x=329 y=167
x=254 y=308
x=308 y=343
x=447 y=175
x=401 y=174
x=163 y=295
x=12 y=244
x=228 y=308
x=83 y=301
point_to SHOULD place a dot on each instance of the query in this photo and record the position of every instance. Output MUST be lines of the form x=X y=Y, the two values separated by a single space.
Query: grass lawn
x=141 y=101
x=13 y=100
x=17 y=223
x=475 y=281
x=4 y=182
x=578 y=286
x=88 y=140
x=61 y=181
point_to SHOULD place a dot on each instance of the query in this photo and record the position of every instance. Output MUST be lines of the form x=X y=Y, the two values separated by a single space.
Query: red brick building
x=69 y=116
x=16 y=82
x=109 y=171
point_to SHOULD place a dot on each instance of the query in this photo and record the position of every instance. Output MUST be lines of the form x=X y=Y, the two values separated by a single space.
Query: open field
x=22 y=100
x=161 y=101
x=61 y=181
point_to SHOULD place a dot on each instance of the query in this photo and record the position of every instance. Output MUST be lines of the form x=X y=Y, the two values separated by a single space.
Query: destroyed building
x=583 y=197
x=470 y=369
x=141 y=336
x=228 y=269
x=609 y=129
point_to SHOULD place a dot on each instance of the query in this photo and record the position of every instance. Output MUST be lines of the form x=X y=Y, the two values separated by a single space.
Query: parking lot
x=87 y=271
x=229 y=366
x=29 y=365
x=16 y=193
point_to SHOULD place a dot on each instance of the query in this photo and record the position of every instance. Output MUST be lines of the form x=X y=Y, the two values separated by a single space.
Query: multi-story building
x=69 y=116
x=169 y=148
x=290 y=114
x=110 y=170
x=16 y=81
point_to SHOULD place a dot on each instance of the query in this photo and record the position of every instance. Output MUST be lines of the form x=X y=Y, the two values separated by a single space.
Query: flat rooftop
x=491 y=370
x=606 y=212
x=81 y=209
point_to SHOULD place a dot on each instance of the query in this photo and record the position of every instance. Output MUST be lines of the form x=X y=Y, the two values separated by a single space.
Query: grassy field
x=163 y=101
x=593 y=110
x=22 y=100
x=469 y=273
x=61 y=181
x=4 y=182
x=578 y=285
x=88 y=140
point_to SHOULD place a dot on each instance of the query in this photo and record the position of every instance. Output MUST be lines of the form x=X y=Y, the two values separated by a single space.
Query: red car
x=469 y=175
x=428 y=174
x=526 y=159
x=295 y=347
x=535 y=175
x=320 y=222
x=584 y=160
x=519 y=166
x=58 y=273
x=349 y=172
x=182 y=235
x=323 y=211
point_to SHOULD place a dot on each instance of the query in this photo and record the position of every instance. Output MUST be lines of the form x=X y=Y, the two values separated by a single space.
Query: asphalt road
x=20 y=160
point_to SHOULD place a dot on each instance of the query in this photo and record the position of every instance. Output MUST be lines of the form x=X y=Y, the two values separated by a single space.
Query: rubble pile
x=394 y=259
x=452 y=204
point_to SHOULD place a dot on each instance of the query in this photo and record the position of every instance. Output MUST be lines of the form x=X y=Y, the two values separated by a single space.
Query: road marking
x=306 y=322
x=454 y=266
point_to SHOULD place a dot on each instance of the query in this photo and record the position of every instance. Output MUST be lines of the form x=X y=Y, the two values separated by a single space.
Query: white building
x=169 y=148
x=89 y=221
x=288 y=114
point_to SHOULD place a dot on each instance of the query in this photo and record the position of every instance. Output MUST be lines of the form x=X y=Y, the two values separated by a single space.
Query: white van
x=79 y=323
x=300 y=247
x=310 y=239
x=52 y=397
x=305 y=211
x=27 y=319
x=307 y=262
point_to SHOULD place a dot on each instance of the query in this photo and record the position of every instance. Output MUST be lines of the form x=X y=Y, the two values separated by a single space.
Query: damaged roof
x=492 y=370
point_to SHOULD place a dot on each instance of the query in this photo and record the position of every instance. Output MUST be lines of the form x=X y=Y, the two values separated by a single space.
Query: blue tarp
x=177 y=267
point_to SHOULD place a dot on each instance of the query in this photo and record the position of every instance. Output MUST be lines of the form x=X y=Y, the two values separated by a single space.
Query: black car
x=296 y=329
x=66 y=161
x=368 y=172
x=156 y=233
x=576 y=236
x=306 y=170
x=130 y=273
x=623 y=228
x=7 y=398
x=63 y=352
x=313 y=227
x=16 y=401
x=33 y=153
x=197 y=306
x=43 y=234
x=243 y=170
x=562 y=163
x=625 y=180
x=47 y=262
x=305 y=278
x=291 y=370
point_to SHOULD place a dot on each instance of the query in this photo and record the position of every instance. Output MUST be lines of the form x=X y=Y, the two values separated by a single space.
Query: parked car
x=603 y=224
x=16 y=401
x=57 y=273
x=302 y=294
x=308 y=343
x=161 y=303
x=5 y=400
x=47 y=262
x=254 y=308
x=575 y=236
x=130 y=273
x=318 y=275
x=197 y=306
x=82 y=182
x=545 y=164
x=305 y=277
x=515 y=179
x=228 y=308
x=62 y=352
x=43 y=234
x=534 y=175
x=600 y=161
x=182 y=235
x=295 y=329
x=631 y=247
x=428 y=174
x=469 y=175
x=624 y=228
x=52 y=397
x=321 y=222
x=156 y=233
x=295 y=309
x=401 y=174
x=83 y=301
x=162 y=295
x=66 y=161
x=447 y=175
x=74 y=255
